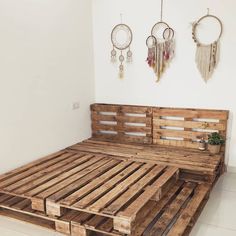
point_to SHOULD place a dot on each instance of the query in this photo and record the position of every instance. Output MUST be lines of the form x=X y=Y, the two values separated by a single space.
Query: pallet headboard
x=184 y=127
x=156 y=125
x=122 y=123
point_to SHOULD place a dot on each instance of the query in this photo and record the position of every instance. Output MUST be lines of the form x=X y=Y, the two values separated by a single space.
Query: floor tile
x=8 y=232
x=201 y=229
x=220 y=209
x=227 y=182
x=23 y=228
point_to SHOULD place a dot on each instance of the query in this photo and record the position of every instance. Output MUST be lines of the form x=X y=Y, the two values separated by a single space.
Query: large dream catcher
x=160 y=46
x=207 y=55
x=121 y=38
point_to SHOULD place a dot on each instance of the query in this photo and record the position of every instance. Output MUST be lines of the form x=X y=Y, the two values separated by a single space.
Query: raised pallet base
x=175 y=214
x=194 y=165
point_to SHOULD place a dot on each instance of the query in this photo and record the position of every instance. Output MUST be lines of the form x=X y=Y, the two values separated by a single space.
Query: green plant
x=215 y=139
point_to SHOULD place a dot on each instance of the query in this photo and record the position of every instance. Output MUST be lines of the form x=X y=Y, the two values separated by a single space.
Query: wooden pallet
x=122 y=123
x=194 y=165
x=118 y=194
x=111 y=182
x=96 y=184
x=175 y=214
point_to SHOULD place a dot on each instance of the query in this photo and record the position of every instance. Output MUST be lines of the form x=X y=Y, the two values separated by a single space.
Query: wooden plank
x=191 y=113
x=132 y=210
x=190 y=210
x=96 y=183
x=189 y=124
x=119 y=189
x=176 y=143
x=180 y=134
x=125 y=138
x=4 y=197
x=11 y=201
x=106 y=187
x=91 y=174
x=22 y=204
x=34 y=169
x=30 y=165
x=135 y=189
x=106 y=226
x=161 y=225
x=143 y=222
x=37 y=179
x=104 y=107
x=62 y=174
x=81 y=179
x=95 y=221
x=124 y=118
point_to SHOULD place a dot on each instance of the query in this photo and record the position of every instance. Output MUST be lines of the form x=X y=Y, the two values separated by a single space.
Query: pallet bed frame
x=141 y=163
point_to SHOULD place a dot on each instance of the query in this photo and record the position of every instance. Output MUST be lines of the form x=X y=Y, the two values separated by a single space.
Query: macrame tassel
x=207 y=58
x=121 y=71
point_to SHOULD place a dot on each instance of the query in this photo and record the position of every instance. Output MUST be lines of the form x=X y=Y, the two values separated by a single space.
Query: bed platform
x=140 y=173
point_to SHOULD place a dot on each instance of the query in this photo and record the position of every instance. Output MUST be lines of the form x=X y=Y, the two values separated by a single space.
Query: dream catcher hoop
x=121 y=38
x=160 y=46
x=207 y=55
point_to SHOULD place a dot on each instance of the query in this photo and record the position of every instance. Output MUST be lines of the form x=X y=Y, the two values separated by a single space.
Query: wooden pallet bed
x=141 y=162
x=173 y=215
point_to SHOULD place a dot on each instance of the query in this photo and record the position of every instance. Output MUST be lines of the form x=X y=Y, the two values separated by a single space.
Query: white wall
x=181 y=86
x=46 y=64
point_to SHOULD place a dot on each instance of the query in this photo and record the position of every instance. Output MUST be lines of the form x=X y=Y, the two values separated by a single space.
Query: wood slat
x=189 y=124
x=47 y=181
x=34 y=169
x=190 y=210
x=192 y=113
x=77 y=195
x=30 y=165
x=105 y=187
x=37 y=179
x=133 y=191
x=82 y=179
x=194 y=135
x=166 y=218
x=132 y=210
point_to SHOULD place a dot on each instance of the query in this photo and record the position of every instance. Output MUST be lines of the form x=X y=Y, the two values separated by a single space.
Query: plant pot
x=214 y=149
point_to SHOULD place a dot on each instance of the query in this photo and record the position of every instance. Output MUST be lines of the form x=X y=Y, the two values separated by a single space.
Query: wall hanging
x=207 y=55
x=160 y=46
x=121 y=38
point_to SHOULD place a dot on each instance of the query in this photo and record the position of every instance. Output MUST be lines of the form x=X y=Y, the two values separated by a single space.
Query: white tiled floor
x=217 y=219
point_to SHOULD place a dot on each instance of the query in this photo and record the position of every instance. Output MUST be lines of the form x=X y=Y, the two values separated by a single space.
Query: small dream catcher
x=121 y=38
x=207 y=55
x=161 y=46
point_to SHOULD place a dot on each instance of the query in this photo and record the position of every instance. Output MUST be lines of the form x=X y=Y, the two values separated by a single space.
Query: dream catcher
x=121 y=38
x=161 y=46
x=207 y=55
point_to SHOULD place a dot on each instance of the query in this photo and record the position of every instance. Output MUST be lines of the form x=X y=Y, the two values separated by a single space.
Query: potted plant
x=215 y=140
